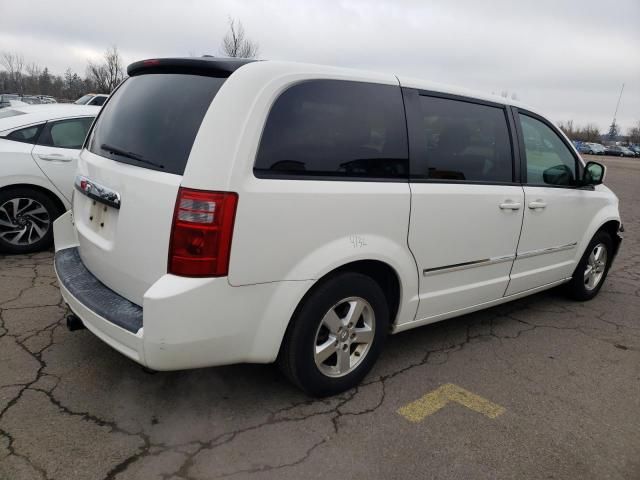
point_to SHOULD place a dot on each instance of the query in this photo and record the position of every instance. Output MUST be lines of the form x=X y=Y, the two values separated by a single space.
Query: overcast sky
x=567 y=58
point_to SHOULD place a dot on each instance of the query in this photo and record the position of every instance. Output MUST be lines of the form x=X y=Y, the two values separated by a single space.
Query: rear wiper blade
x=131 y=155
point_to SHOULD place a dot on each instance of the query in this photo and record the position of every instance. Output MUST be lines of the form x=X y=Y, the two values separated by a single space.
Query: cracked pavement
x=567 y=373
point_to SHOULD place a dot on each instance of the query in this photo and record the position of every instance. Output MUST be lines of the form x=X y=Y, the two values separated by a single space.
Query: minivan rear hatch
x=136 y=153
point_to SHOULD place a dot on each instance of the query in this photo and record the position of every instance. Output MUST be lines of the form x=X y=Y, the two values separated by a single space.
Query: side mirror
x=558 y=175
x=594 y=174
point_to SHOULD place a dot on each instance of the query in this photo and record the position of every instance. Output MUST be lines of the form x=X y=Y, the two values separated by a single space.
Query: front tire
x=26 y=220
x=336 y=335
x=592 y=269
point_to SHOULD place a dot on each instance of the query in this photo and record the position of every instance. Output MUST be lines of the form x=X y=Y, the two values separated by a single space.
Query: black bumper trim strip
x=93 y=294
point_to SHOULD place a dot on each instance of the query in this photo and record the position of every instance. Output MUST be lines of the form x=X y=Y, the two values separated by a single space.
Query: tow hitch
x=74 y=323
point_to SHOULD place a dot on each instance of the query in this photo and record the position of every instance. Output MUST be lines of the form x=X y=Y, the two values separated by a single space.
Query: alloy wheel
x=23 y=221
x=344 y=337
x=596 y=265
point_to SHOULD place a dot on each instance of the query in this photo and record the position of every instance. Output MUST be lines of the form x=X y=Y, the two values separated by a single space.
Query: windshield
x=84 y=99
x=152 y=120
x=98 y=100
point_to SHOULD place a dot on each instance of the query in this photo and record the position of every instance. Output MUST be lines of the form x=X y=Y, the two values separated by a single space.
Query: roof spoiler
x=208 y=66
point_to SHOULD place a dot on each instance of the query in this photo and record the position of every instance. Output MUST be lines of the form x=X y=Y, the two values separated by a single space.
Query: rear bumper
x=183 y=322
x=87 y=290
x=126 y=342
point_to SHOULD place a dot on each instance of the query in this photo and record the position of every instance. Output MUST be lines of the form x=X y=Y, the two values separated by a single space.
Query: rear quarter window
x=26 y=134
x=334 y=129
x=65 y=133
x=152 y=120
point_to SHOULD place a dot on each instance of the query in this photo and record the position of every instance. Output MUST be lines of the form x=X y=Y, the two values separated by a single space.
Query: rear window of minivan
x=152 y=120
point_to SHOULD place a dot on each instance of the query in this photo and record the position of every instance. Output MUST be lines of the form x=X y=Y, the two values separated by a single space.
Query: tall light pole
x=613 y=129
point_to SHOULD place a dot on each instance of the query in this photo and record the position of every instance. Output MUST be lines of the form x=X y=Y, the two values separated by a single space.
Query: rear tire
x=26 y=220
x=592 y=269
x=335 y=335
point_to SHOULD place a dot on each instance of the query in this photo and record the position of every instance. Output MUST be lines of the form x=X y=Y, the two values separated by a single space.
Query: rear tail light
x=201 y=234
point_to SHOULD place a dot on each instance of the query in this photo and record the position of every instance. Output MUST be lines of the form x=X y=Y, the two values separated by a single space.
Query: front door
x=466 y=208
x=556 y=213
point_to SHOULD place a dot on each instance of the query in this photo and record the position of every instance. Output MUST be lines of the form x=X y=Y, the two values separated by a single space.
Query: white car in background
x=4 y=103
x=96 y=99
x=39 y=147
x=47 y=99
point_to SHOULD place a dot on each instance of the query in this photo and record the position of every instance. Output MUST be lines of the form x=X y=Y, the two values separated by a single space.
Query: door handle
x=509 y=205
x=55 y=157
x=537 y=204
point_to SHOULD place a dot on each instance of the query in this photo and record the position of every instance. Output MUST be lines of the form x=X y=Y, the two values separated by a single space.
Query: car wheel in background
x=336 y=334
x=26 y=220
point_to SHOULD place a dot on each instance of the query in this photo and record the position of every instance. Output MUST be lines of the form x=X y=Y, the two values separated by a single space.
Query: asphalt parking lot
x=539 y=388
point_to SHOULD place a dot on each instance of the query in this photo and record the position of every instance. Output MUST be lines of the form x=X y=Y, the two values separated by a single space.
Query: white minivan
x=271 y=211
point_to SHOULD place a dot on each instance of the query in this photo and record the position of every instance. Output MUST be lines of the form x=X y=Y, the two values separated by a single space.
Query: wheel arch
x=388 y=262
x=608 y=220
x=385 y=275
x=381 y=272
x=612 y=227
x=55 y=198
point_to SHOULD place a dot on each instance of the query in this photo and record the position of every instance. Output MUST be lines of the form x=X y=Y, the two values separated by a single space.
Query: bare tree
x=14 y=65
x=236 y=43
x=590 y=133
x=115 y=68
x=12 y=62
x=31 y=80
x=634 y=133
x=97 y=76
x=106 y=76
x=33 y=69
x=567 y=128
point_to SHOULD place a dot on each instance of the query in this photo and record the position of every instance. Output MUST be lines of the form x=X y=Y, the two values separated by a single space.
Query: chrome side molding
x=465 y=265
x=97 y=192
x=490 y=261
x=543 y=251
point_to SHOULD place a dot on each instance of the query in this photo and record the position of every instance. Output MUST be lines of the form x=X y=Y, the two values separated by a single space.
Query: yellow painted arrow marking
x=441 y=396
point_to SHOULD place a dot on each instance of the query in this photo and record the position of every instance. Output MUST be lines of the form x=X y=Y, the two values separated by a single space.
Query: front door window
x=549 y=160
